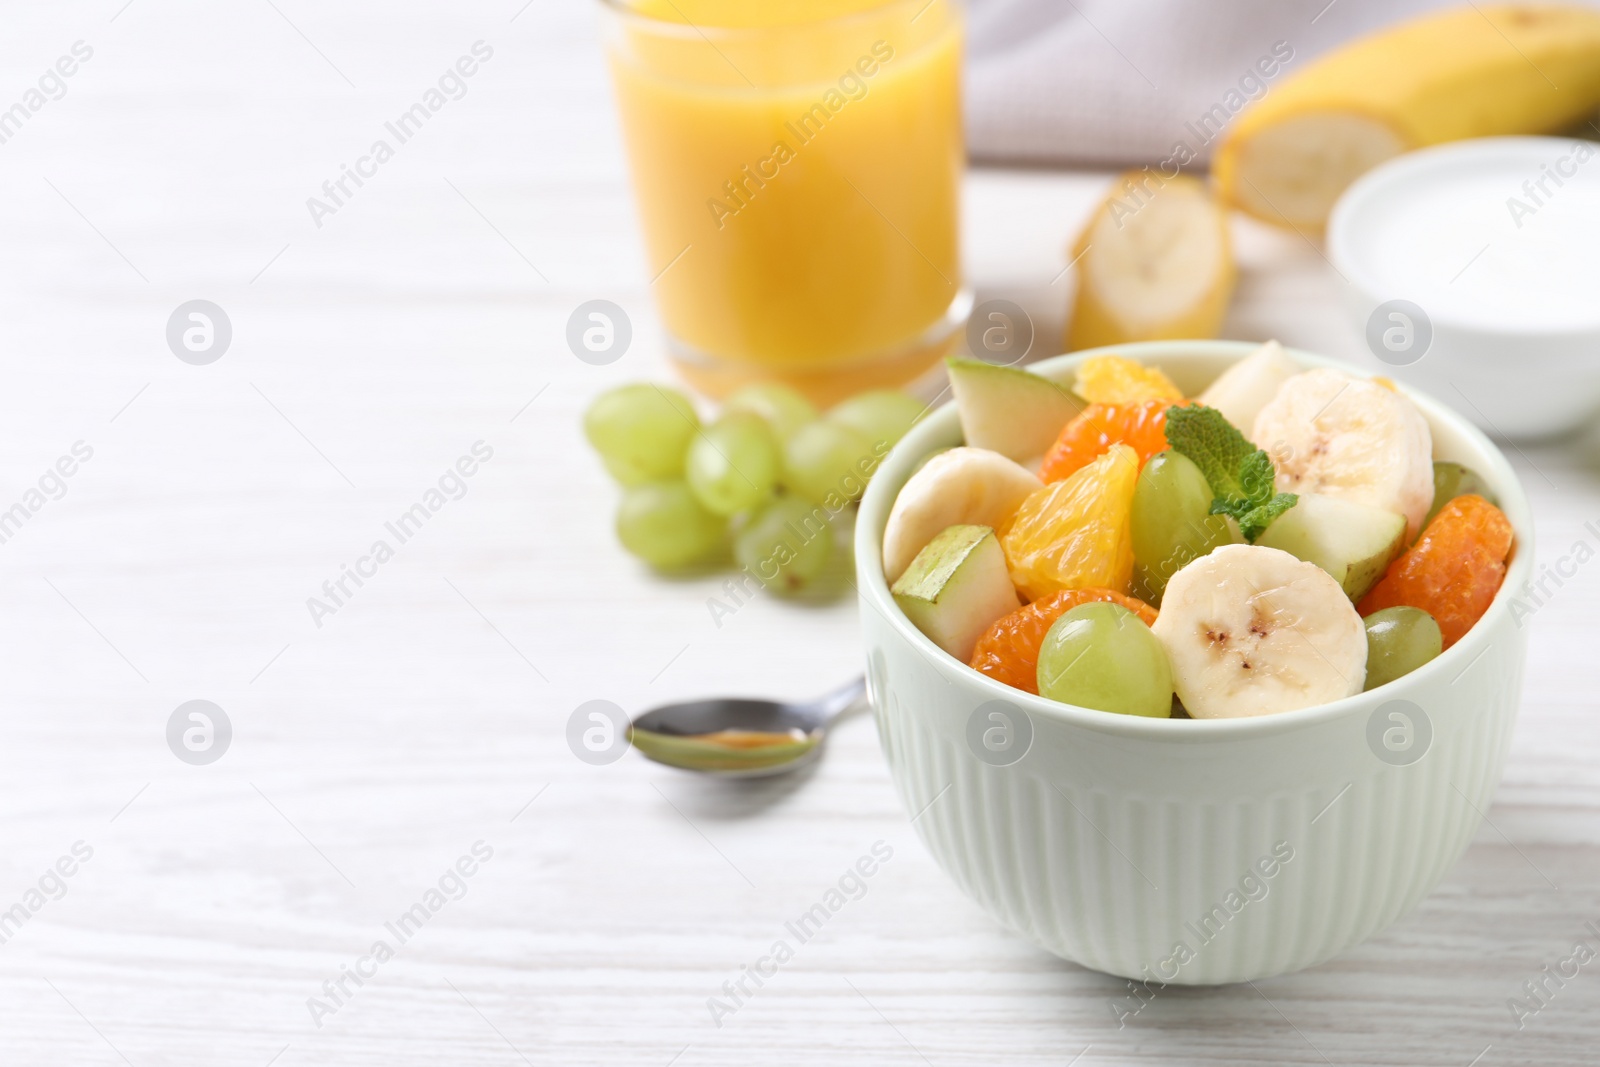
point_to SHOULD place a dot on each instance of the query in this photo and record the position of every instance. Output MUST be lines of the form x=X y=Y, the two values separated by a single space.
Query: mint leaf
x=1240 y=475
x=1256 y=476
x=1254 y=522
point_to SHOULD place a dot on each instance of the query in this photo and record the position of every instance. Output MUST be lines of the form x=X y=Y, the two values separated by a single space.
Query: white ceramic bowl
x=1143 y=847
x=1502 y=270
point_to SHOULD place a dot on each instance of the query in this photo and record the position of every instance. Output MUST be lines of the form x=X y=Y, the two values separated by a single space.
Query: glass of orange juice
x=797 y=165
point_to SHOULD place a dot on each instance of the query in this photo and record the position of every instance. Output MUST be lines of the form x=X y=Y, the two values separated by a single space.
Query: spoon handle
x=843 y=698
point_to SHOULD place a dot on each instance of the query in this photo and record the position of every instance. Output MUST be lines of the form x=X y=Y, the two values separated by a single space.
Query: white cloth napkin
x=1114 y=82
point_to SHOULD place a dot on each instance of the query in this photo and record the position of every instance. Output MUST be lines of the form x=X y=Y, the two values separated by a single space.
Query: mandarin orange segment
x=1117 y=380
x=1076 y=533
x=1454 y=569
x=1009 y=650
x=1142 y=426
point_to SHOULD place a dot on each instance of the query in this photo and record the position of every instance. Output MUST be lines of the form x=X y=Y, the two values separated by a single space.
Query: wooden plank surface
x=427 y=714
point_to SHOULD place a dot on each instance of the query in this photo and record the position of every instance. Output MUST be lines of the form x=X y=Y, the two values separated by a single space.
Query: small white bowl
x=1113 y=840
x=1497 y=261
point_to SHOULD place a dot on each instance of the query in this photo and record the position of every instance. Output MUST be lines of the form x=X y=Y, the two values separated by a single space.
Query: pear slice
x=1353 y=542
x=1241 y=391
x=956 y=588
x=1013 y=412
x=959 y=486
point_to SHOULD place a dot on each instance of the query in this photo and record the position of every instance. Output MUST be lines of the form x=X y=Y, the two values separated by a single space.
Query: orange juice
x=797 y=165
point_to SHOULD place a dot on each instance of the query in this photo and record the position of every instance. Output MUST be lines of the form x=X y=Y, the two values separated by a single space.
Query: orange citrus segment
x=1454 y=569
x=1009 y=650
x=1142 y=425
x=1075 y=533
x=1115 y=380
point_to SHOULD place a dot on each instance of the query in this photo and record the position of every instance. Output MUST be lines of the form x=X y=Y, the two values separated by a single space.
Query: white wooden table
x=428 y=712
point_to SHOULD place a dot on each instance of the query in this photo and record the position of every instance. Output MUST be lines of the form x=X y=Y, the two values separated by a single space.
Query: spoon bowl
x=734 y=737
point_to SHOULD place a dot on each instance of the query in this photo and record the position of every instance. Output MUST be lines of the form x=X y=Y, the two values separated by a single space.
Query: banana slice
x=1252 y=631
x=1242 y=390
x=955 y=488
x=1338 y=435
x=1157 y=263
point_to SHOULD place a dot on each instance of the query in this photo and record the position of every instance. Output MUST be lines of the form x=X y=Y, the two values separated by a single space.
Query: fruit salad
x=1283 y=539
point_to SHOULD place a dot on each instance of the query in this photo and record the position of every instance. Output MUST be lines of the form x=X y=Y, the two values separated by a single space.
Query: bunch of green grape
x=766 y=479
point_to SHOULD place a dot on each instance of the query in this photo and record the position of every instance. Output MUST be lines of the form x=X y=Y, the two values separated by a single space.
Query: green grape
x=786 y=544
x=641 y=431
x=1172 y=523
x=1399 y=640
x=827 y=462
x=663 y=524
x=1102 y=656
x=883 y=415
x=1451 y=480
x=733 y=465
x=782 y=406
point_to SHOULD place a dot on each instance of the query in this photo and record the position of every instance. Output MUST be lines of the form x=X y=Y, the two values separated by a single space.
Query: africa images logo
x=805 y=127
x=451 y=85
x=452 y=485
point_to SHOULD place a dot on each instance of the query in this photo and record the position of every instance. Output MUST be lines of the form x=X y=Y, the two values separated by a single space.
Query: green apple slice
x=1353 y=542
x=956 y=587
x=1013 y=412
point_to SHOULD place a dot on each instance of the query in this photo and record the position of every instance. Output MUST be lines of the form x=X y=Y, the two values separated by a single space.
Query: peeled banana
x=1475 y=71
x=1332 y=433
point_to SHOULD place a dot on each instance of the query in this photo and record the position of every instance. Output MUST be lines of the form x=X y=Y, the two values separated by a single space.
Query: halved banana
x=958 y=487
x=1332 y=433
x=1251 y=631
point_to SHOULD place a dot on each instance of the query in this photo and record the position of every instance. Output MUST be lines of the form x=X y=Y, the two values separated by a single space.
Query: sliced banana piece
x=1332 y=433
x=957 y=487
x=1252 y=631
x=1242 y=390
x=1157 y=263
